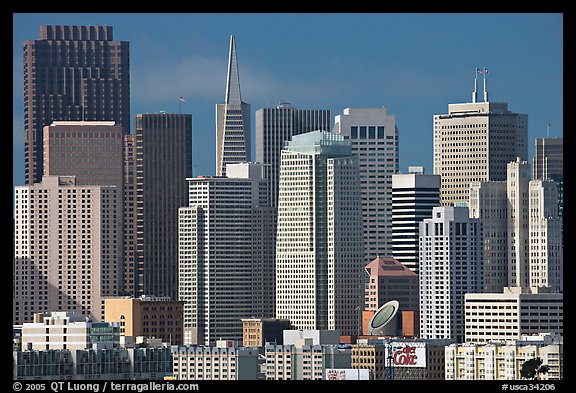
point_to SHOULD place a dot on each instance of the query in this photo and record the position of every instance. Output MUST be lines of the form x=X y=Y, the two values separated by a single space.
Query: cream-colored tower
x=319 y=248
x=67 y=248
x=374 y=138
x=474 y=142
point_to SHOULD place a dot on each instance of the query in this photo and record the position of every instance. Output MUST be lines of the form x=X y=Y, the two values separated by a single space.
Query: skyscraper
x=522 y=230
x=450 y=267
x=72 y=73
x=130 y=265
x=374 y=137
x=319 y=248
x=549 y=159
x=518 y=223
x=414 y=195
x=489 y=203
x=163 y=162
x=474 y=142
x=90 y=150
x=275 y=126
x=545 y=229
x=549 y=164
x=67 y=248
x=232 y=120
x=226 y=265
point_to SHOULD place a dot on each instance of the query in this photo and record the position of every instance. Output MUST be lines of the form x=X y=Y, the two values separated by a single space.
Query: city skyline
x=407 y=63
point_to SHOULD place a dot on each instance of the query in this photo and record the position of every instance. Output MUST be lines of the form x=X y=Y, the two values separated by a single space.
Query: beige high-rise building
x=319 y=247
x=522 y=230
x=67 y=248
x=489 y=203
x=518 y=177
x=92 y=151
x=474 y=142
x=373 y=135
x=545 y=228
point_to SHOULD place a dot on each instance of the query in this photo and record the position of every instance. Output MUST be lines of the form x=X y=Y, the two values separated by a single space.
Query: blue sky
x=414 y=65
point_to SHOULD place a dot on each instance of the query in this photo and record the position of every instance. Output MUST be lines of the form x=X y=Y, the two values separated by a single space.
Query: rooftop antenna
x=475 y=93
x=485 y=91
x=548 y=131
x=180 y=101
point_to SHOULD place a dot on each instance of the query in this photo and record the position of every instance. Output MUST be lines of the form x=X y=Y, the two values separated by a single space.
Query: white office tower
x=450 y=267
x=546 y=249
x=319 y=249
x=374 y=138
x=414 y=195
x=489 y=203
x=67 y=248
x=226 y=265
x=474 y=142
x=232 y=120
x=276 y=126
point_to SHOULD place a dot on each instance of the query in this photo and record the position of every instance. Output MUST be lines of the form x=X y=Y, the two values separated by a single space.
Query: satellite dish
x=384 y=321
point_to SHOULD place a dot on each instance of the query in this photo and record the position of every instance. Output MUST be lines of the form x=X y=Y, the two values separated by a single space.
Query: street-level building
x=511 y=314
x=223 y=362
x=503 y=360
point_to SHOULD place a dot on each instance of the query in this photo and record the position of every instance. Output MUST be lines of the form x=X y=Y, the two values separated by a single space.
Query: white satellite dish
x=384 y=321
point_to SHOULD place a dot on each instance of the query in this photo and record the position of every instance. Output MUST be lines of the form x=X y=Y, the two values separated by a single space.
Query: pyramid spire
x=232 y=79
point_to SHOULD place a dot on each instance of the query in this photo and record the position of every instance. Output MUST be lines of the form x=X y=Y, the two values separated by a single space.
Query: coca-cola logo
x=405 y=356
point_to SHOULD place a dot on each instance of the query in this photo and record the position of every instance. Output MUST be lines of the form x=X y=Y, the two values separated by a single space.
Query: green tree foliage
x=532 y=368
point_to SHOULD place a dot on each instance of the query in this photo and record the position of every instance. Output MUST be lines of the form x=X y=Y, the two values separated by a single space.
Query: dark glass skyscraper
x=72 y=73
x=163 y=162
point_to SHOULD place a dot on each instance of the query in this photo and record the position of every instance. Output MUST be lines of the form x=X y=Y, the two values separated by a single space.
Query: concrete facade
x=319 y=247
x=375 y=142
x=67 y=248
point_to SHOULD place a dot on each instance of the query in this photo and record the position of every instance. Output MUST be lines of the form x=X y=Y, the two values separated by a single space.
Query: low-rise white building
x=68 y=330
x=503 y=360
x=508 y=315
x=223 y=362
x=304 y=360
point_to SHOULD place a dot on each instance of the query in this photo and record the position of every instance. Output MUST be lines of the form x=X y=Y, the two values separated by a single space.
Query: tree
x=532 y=368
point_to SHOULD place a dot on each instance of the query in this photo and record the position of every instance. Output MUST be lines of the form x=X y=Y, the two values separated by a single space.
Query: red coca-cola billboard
x=407 y=355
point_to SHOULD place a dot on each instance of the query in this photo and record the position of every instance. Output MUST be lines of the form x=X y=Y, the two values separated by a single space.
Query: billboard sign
x=347 y=374
x=407 y=355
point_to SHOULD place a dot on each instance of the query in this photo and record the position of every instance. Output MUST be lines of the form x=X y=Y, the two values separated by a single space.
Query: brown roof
x=388 y=267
